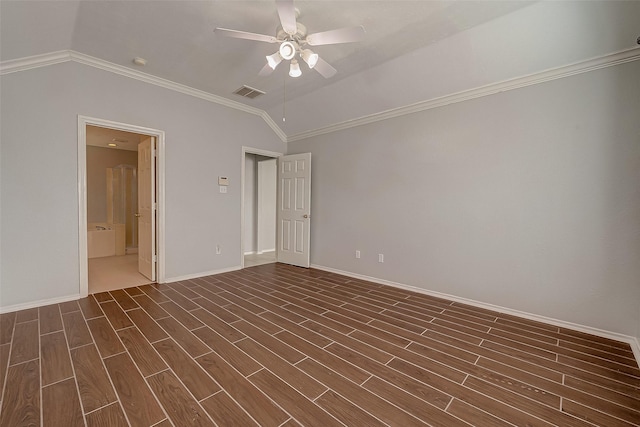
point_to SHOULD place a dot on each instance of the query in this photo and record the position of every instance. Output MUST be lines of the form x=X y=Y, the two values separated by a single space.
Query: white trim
x=37 y=61
x=632 y=341
x=83 y=252
x=593 y=64
x=260 y=152
x=274 y=126
x=635 y=347
x=39 y=303
x=203 y=274
x=249 y=150
x=609 y=60
x=83 y=121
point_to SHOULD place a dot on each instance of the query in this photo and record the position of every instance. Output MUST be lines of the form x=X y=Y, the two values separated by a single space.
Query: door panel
x=294 y=209
x=146 y=209
x=286 y=233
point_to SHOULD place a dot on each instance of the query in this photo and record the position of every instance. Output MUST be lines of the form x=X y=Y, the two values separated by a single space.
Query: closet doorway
x=259 y=207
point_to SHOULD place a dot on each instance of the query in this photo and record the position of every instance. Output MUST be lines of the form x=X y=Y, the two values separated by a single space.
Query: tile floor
x=114 y=272
x=281 y=346
x=251 y=260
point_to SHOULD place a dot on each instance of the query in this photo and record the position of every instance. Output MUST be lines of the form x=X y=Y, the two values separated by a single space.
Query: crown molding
x=35 y=61
x=44 y=60
x=593 y=64
x=616 y=58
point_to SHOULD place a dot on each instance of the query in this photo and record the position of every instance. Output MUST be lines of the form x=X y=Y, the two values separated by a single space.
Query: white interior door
x=294 y=209
x=147 y=209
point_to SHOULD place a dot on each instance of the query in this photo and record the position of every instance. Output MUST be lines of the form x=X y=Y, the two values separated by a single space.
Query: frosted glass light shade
x=309 y=57
x=274 y=60
x=294 y=69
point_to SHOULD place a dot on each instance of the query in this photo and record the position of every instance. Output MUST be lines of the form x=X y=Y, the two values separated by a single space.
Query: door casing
x=245 y=151
x=147 y=208
x=83 y=122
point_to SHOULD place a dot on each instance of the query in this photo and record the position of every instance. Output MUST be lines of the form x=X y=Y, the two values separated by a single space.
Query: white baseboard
x=635 y=347
x=43 y=302
x=203 y=274
x=39 y=303
x=632 y=341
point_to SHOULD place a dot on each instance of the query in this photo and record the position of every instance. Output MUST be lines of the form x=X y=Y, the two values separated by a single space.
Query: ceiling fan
x=294 y=41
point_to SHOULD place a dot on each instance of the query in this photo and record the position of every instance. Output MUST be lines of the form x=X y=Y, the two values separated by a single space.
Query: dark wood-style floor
x=276 y=345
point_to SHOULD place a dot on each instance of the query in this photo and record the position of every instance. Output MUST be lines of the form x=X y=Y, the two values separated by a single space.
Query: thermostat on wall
x=223 y=180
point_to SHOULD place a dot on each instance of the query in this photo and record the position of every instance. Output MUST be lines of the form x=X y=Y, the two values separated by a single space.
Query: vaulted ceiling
x=413 y=50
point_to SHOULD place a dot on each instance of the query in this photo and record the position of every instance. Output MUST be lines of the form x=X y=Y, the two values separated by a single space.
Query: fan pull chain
x=284 y=99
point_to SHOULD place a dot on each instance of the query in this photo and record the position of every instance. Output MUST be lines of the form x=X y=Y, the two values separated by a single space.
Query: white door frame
x=245 y=151
x=83 y=122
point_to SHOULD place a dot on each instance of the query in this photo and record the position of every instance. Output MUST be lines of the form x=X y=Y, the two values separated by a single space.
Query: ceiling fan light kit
x=309 y=57
x=293 y=40
x=274 y=60
x=294 y=69
x=288 y=50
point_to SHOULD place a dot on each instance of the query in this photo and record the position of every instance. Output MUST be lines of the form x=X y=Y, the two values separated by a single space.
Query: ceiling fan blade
x=325 y=69
x=266 y=70
x=245 y=35
x=287 y=14
x=341 y=35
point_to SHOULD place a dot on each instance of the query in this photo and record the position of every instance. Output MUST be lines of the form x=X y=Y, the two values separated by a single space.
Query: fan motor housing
x=298 y=36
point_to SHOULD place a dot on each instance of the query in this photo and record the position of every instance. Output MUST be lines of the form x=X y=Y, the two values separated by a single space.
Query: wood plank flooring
x=275 y=345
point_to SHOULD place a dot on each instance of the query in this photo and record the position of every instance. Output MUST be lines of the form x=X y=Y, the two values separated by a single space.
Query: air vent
x=249 y=92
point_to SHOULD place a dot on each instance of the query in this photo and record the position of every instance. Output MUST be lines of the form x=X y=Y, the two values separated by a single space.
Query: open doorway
x=259 y=207
x=112 y=206
x=120 y=205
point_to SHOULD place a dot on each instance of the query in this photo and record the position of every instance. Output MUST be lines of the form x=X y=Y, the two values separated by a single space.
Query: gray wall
x=267 y=193
x=528 y=199
x=39 y=193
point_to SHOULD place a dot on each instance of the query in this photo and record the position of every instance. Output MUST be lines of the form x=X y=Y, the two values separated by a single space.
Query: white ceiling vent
x=249 y=92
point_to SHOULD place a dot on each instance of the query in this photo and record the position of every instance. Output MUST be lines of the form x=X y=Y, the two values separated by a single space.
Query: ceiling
x=102 y=137
x=413 y=50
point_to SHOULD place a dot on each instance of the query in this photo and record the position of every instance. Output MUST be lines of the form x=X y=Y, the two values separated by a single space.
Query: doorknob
x=138 y=215
x=306 y=216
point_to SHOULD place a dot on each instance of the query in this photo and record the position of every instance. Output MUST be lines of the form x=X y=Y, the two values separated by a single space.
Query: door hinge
x=154 y=258
x=155 y=206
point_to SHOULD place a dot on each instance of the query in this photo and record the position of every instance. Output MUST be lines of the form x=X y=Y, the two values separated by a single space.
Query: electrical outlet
x=358 y=254
x=218 y=250
x=380 y=257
